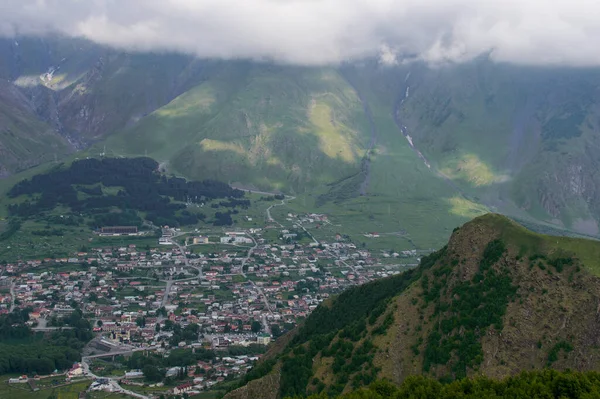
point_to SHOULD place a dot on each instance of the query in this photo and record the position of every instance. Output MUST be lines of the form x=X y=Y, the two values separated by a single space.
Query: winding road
x=114 y=382
x=269 y=217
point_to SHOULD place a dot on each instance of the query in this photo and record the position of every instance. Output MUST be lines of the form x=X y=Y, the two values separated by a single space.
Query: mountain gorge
x=512 y=136
x=498 y=299
x=25 y=140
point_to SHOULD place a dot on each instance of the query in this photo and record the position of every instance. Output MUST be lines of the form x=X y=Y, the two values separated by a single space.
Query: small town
x=222 y=296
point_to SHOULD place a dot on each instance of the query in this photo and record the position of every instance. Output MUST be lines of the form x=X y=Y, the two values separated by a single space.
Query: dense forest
x=24 y=351
x=135 y=186
x=545 y=384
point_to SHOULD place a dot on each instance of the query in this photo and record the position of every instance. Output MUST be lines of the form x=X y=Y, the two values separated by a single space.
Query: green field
x=22 y=391
x=25 y=245
x=268 y=127
x=588 y=251
x=145 y=390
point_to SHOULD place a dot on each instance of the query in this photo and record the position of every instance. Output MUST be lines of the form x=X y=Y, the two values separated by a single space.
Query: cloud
x=311 y=32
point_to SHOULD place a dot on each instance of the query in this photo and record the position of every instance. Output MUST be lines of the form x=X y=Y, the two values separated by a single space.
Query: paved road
x=185 y=259
x=247 y=258
x=109 y=354
x=266 y=327
x=269 y=217
x=283 y=201
x=170 y=281
x=255 y=192
x=112 y=381
x=167 y=292
x=347 y=265
x=310 y=235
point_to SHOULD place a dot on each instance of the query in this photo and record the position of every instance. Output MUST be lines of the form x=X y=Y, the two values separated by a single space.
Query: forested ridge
x=24 y=351
x=544 y=384
x=136 y=187
x=343 y=330
x=434 y=320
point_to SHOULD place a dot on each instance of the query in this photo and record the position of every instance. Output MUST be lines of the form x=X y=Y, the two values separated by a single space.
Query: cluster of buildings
x=245 y=293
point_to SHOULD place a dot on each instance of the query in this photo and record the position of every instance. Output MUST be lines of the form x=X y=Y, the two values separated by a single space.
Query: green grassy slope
x=521 y=139
x=320 y=134
x=488 y=303
x=78 y=89
x=119 y=89
x=402 y=195
x=266 y=126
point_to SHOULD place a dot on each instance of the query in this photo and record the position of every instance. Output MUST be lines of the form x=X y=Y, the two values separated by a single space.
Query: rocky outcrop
x=266 y=387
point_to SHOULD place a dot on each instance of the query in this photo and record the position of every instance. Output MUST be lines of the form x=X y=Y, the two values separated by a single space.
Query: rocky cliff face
x=265 y=388
x=547 y=312
x=509 y=135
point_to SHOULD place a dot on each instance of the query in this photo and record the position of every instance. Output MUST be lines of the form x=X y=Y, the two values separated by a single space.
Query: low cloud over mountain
x=560 y=32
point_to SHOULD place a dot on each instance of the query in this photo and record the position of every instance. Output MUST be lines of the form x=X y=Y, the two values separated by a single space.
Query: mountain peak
x=498 y=299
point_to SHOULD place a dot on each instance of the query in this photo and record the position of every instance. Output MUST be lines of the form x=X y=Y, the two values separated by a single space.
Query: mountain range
x=411 y=149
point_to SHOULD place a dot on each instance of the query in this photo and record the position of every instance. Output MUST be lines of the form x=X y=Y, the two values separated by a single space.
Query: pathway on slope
x=283 y=202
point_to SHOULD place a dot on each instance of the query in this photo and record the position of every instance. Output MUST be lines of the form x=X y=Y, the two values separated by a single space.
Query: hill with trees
x=548 y=384
x=117 y=192
x=498 y=299
x=26 y=352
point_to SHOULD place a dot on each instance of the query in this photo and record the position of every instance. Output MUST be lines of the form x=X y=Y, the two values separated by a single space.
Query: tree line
x=541 y=384
x=24 y=351
x=141 y=188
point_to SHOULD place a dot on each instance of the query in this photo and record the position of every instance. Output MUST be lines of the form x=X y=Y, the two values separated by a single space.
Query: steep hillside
x=318 y=133
x=315 y=133
x=498 y=299
x=25 y=140
x=550 y=384
x=520 y=139
x=267 y=126
x=84 y=91
x=405 y=150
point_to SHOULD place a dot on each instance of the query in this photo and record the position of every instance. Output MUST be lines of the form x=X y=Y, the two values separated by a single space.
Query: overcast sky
x=325 y=31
